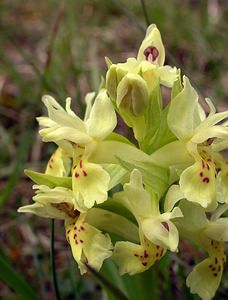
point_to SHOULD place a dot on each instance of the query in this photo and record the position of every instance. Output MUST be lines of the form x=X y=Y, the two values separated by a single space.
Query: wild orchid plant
x=172 y=182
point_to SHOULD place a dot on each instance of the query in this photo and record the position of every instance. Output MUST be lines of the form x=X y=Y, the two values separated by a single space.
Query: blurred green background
x=58 y=47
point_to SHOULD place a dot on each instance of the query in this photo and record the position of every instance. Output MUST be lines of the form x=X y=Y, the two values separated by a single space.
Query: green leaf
x=49 y=180
x=117 y=137
x=117 y=174
x=112 y=222
x=152 y=117
x=15 y=280
x=163 y=134
x=155 y=177
x=157 y=132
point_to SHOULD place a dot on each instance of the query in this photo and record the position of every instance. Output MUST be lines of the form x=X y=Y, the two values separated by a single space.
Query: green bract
x=117 y=197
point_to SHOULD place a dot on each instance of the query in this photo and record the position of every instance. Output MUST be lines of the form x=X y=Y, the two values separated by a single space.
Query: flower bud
x=111 y=82
x=132 y=94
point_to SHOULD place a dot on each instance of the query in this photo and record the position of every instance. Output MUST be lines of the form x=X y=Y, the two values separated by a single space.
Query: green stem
x=119 y=294
x=145 y=12
x=52 y=256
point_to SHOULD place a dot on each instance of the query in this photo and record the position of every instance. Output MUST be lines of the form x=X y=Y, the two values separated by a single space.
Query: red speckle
x=76 y=175
x=81 y=241
x=74 y=167
x=203 y=164
x=151 y=53
x=84 y=173
x=157 y=254
x=82 y=228
x=136 y=255
x=208 y=167
x=144 y=263
x=206 y=180
x=145 y=254
x=157 y=247
x=76 y=242
x=201 y=174
x=80 y=164
x=75 y=228
x=209 y=159
x=161 y=252
x=68 y=231
x=75 y=235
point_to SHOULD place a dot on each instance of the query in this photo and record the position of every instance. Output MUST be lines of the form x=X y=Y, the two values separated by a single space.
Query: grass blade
x=15 y=280
x=24 y=146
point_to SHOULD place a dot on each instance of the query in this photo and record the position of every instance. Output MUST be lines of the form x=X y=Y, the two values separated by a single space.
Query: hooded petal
x=184 y=114
x=152 y=48
x=90 y=184
x=41 y=210
x=132 y=95
x=51 y=203
x=136 y=198
x=161 y=231
x=102 y=119
x=88 y=244
x=167 y=75
x=64 y=118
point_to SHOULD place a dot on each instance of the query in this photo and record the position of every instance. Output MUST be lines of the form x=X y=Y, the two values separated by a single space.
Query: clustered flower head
x=173 y=185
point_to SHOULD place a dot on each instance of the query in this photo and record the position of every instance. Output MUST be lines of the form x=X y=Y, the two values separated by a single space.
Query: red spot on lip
x=84 y=173
x=76 y=175
x=136 y=255
x=203 y=164
x=201 y=174
x=82 y=228
x=145 y=254
x=144 y=263
x=80 y=164
x=68 y=231
x=151 y=53
x=206 y=180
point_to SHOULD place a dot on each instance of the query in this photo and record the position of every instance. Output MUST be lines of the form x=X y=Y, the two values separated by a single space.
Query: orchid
x=134 y=258
x=207 y=233
x=197 y=135
x=134 y=201
x=136 y=79
x=79 y=138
